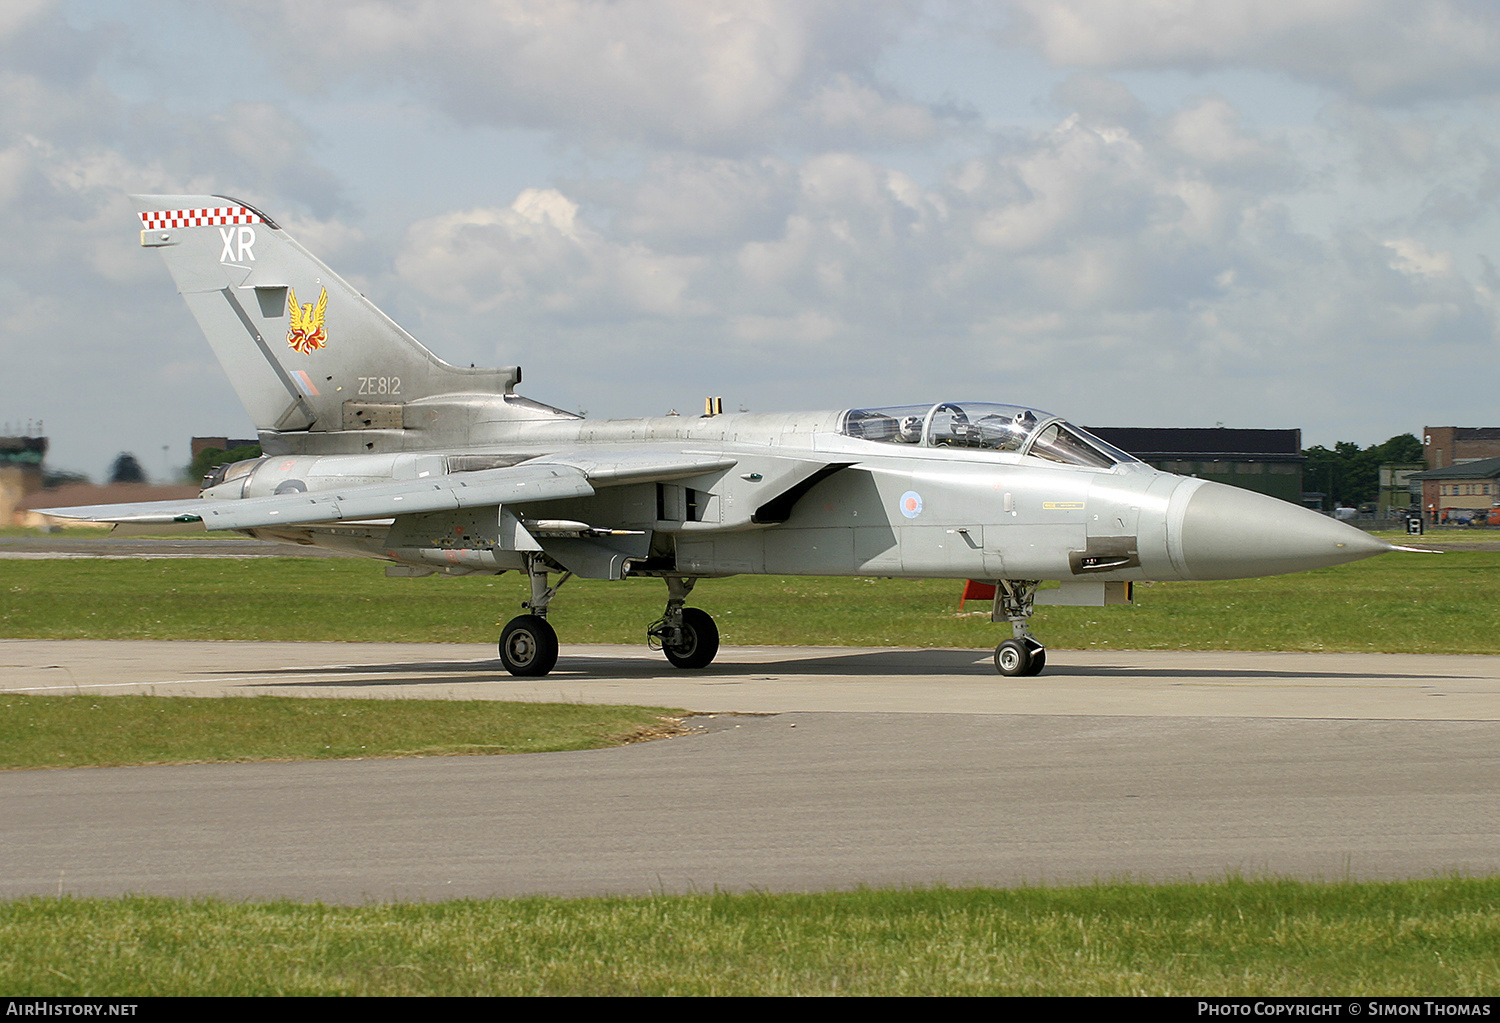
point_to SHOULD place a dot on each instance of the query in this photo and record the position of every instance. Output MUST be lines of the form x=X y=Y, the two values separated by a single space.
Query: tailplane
x=305 y=351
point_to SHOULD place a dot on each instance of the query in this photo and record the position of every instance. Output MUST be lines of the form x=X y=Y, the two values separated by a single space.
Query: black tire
x=528 y=646
x=1038 y=661
x=1012 y=658
x=699 y=643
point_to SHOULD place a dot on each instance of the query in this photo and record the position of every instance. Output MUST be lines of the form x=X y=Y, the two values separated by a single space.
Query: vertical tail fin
x=299 y=344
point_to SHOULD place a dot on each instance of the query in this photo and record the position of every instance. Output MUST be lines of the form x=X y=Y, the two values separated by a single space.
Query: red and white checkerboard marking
x=207 y=217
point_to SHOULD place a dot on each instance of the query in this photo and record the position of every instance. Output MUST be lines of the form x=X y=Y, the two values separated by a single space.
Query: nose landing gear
x=1024 y=654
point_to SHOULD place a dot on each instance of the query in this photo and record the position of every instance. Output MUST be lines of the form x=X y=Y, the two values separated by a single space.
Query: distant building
x=1443 y=446
x=20 y=473
x=1266 y=461
x=198 y=445
x=1398 y=490
x=23 y=501
x=33 y=510
x=1468 y=487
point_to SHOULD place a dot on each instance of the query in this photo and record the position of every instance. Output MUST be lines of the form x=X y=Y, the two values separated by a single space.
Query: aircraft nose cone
x=1229 y=533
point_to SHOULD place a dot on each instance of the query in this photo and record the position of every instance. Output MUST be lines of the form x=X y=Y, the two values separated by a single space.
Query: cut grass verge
x=1398 y=603
x=1233 y=938
x=103 y=731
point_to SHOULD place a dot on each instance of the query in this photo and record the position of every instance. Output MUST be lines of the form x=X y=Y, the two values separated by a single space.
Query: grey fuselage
x=448 y=469
x=805 y=498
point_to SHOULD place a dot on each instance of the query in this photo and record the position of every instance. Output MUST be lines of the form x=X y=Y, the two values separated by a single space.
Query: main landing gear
x=1024 y=654
x=689 y=637
x=528 y=644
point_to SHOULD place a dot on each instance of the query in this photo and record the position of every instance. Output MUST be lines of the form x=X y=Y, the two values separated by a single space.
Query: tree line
x=1349 y=474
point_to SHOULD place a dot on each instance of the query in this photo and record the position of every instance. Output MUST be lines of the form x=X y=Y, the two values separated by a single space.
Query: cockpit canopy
x=986 y=426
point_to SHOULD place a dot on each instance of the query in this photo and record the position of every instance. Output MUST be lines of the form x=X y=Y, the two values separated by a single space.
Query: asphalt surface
x=813 y=770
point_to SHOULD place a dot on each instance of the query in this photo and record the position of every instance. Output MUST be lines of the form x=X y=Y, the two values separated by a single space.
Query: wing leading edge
x=519 y=484
x=515 y=485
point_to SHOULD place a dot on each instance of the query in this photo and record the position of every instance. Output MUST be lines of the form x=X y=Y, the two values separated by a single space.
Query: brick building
x=198 y=445
x=1443 y=446
x=1468 y=487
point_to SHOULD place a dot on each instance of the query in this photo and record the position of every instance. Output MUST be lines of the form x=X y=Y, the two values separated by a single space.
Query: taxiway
x=812 y=769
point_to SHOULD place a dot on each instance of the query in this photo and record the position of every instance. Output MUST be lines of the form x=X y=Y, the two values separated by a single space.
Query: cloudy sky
x=1252 y=213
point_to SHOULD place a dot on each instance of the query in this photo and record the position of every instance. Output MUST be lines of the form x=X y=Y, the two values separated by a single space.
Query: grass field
x=1434 y=603
x=1235 y=938
x=103 y=731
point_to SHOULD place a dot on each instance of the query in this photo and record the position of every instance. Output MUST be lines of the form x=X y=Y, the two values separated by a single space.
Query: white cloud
x=537 y=253
x=711 y=74
x=89 y=319
x=1413 y=258
x=1384 y=146
x=1075 y=182
x=1212 y=135
x=845 y=112
x=775 y=216
x=684 y=202
x=1379 y=50
x=17 y=15
x=1141 y=258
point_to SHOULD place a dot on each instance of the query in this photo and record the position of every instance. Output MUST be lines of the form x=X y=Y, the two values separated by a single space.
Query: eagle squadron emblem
x=306 y=334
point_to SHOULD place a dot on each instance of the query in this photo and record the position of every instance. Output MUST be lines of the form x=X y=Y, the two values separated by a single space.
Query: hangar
x=1266 y=461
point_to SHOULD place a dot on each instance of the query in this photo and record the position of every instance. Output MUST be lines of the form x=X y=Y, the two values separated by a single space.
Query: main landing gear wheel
x=697 y=641
x=1015 y=657
x=528 y=646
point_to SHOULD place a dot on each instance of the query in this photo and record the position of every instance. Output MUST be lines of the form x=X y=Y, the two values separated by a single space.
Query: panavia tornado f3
x=375 y=446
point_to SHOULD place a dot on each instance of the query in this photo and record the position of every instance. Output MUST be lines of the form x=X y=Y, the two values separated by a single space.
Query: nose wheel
x=1020 y=657
x=1015 y=600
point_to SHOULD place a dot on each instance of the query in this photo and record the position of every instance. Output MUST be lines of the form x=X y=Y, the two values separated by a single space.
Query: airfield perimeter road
x=814 y=769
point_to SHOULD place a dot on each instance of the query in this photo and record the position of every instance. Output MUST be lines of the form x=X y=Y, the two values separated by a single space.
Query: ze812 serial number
x=379 y=385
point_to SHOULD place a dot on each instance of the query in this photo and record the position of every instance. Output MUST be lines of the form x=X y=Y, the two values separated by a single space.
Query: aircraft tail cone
x=1230 y=533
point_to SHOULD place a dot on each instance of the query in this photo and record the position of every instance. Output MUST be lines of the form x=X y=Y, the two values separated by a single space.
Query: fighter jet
x=375 y=446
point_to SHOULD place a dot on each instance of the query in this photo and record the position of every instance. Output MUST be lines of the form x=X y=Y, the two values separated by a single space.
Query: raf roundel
x=911 y=504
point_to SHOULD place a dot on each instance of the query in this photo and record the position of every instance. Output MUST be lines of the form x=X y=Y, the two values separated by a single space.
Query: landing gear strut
x=1024 y=654
x=689 y=637
x=528 y=644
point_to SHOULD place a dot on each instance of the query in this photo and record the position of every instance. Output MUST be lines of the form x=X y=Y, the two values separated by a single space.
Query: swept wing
x=528 y=482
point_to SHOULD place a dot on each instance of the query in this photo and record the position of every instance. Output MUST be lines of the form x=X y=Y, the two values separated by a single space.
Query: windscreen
x=984 y=426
